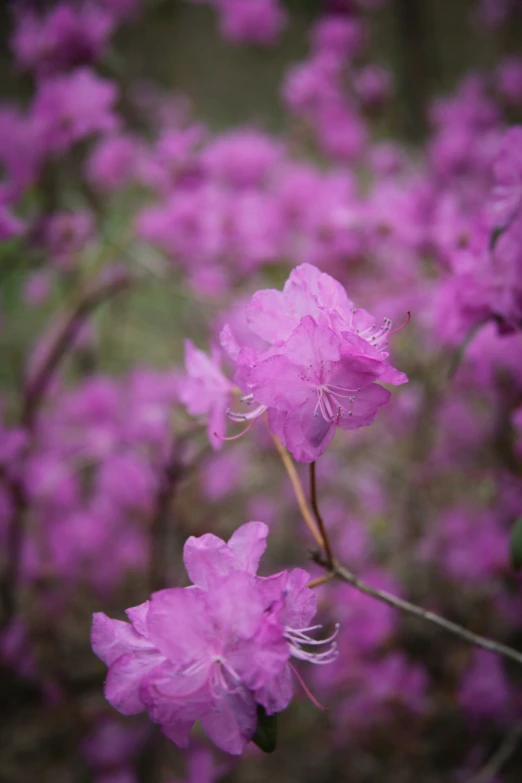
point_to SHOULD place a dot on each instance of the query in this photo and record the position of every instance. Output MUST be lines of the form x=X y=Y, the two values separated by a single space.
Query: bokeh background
x=222 y=176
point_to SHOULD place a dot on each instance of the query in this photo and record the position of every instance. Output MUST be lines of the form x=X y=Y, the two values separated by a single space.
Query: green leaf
x=266 y=733
x=516 y=545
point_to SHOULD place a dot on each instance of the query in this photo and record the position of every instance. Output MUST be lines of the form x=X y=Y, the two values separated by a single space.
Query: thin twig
x=423 y=614
x=88 y=302
x=489 y=772
x=401 y=604
x=318 y=517
x=298 y=490
x=321 y=580
x=15 y=532
x=34 y=395
x=159 y=550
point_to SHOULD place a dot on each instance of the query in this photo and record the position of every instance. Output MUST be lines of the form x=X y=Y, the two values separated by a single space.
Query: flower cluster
x=91 y=477
x=314 y=90
x=308 y=359
x=215 y=650
x=255 y=21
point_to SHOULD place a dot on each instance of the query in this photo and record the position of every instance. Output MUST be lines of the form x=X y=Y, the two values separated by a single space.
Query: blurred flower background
x=161 y=161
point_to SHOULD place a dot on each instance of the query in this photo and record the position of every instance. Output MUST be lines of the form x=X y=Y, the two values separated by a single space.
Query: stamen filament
x=308 y=692
x=239 y=435
x=406 y=322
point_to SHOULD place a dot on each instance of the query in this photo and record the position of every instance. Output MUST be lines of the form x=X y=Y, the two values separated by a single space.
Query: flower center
x=329 y=406
x=222 y=678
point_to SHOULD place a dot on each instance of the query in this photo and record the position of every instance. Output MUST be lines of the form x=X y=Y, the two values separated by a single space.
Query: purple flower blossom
x=253 y=21
x=20 y=156
x=243 y=158
x=66 y=234
x=114 y=162
x=469 y=547
x=66 y=37
x=345 y=37
x=507 y=192
x=213 y=650
x=509 y=80
x=70 y=108
x=206 y=391
x=320 y=364
x=319 y=382
x=484 y=692
x=373 y=84
x=10 y=226
x=201 y=767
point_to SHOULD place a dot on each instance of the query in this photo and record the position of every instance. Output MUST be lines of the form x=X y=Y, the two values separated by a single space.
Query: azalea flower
x=215 y=650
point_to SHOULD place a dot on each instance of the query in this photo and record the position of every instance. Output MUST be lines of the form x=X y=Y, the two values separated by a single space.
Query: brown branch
x=89 y=301
x=422 y=614
x=159 y=550
x=298 y=489
x=342 y=573
x=320 y=522
x=33 y=398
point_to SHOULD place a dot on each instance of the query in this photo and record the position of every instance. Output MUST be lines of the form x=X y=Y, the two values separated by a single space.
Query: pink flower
x=373 y=85
x=507 y=193
x=65 y=37
x=251 y=21
x=206 y=391
x=70 y=108
x=10 y=226
x=318 y=369
x=113 y=162
x=340 y=36
x=484 y=691
x=66 y=234
x=509 y=80
x=243 y=158
x=201 y=767
x=214 y=650
x=19 y=154
x=320 y=382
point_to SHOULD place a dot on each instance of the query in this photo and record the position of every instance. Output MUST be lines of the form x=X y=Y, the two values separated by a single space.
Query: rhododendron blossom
x=320 y=365
x=69 y=108
x=215 y=650
x=206 y=390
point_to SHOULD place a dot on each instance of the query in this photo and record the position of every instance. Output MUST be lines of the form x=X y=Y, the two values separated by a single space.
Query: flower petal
x=171 y=696
x=112 y=638
x=248 y=544
x=277 y=694
x=235 y=605
x=178 y=732
x=278 y=383
x=207 y=558
x=365 y=407
x=179 y=625
x=306 y=434
x=138 y=617
x=124 y=678
x=234 y=723
x=312 y=345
